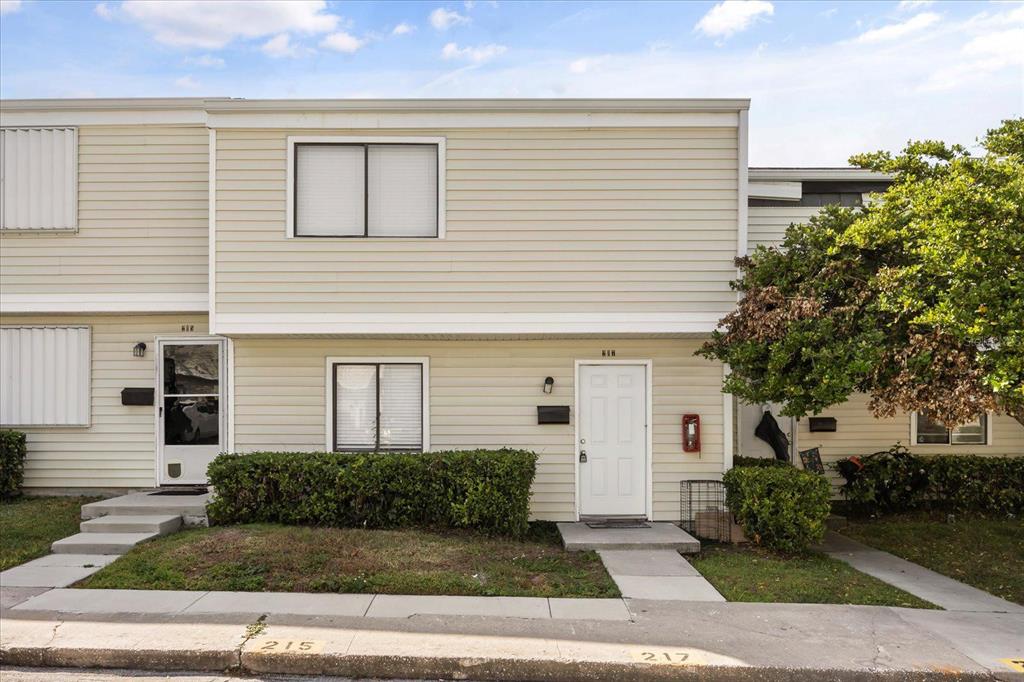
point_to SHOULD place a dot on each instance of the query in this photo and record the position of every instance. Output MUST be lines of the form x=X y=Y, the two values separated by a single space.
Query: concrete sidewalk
x=933 y=587
x=659 y=640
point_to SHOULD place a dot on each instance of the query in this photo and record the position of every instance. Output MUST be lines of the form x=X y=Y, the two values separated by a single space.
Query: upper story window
x=38 y=179
x=340 y=187
x=930 y=431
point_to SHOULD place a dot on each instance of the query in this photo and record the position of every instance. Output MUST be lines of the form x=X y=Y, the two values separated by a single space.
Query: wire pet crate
x=703 y=512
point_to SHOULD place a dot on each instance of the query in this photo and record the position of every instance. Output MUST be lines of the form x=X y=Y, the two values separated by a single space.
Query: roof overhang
x=811 y=174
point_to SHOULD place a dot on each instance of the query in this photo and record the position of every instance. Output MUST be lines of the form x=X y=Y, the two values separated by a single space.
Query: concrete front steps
x=116 y=525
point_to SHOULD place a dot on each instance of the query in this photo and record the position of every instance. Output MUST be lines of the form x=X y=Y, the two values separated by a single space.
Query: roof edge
x=819 y=173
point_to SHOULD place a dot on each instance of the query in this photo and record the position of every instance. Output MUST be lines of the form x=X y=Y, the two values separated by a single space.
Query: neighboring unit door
x=190 y=408
x=613 y=438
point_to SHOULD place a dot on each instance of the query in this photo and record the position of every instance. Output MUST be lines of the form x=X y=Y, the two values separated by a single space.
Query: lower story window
x=931 y=431
x=378 y=406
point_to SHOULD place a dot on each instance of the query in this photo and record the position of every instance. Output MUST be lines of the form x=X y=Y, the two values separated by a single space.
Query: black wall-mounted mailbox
x=822 y=423
x=136 y=396
x=552 y=414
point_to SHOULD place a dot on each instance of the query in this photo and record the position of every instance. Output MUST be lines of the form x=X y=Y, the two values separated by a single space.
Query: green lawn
x=29 y=525
x=750 y=574
x=985 y=553
x=268 y=557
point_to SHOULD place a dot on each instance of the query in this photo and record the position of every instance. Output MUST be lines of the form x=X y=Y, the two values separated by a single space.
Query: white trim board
x=466 y=323
x=329 y=406
x=648 y=427
x=105 y=303
x=442 y=166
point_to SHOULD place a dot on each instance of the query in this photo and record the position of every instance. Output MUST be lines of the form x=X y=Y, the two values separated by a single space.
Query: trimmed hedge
x=741 y=461
x=895 y=480
x=781 y=508
x=12 y=463
x=488 y=490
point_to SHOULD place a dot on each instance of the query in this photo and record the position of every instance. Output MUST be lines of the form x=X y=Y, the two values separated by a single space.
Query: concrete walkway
x=657 y=574
x=938 y=589
x=312 y=635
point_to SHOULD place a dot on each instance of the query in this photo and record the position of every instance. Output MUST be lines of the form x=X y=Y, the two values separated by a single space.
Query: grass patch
x=29 y=525
x=276 y=558
x=985 y=553
x=756 y=575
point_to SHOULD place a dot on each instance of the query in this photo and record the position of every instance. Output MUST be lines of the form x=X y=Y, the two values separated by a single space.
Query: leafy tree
x=916 y=298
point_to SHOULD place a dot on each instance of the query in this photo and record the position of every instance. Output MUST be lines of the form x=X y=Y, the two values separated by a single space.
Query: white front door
x=613 y=440
x=190 y=408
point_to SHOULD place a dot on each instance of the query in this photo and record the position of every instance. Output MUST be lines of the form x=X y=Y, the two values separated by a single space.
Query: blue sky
x=826 y=79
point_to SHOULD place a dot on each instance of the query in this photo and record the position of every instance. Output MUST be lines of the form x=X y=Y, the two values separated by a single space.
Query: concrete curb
x=497 y=669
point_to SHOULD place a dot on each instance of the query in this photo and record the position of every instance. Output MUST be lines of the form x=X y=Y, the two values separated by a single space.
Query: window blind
x=402 y=190
x=401 y=406
x=38 y=179
x=330 y=190
x=44 y=376
x=355 y=420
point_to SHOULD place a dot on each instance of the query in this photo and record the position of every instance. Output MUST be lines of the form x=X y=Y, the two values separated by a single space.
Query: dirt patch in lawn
x=755 y=575
x=275 y=558
x=983 y=552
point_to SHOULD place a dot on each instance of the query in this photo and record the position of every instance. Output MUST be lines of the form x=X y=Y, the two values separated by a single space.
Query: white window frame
x=988 y=435
x=330 y=407
x=74 y=184
x=294 y=140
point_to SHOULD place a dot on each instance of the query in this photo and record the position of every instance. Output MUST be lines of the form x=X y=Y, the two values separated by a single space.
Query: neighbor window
x=45 y=376
x=378 y=406
x=930 y=431
x=365 y=189
x=38 y=178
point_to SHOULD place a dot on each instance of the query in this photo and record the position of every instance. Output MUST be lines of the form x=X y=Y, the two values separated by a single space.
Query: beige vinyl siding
x=117 y=448
x=484 y=394
x=600 y=220
x=767 y=224
x=142 y=218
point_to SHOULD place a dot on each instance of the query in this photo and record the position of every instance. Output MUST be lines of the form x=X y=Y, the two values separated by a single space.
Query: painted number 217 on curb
x=662 y=657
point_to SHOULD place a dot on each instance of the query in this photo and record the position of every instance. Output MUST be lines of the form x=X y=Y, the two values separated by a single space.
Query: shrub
x=12 y=463
x=488 y=490
x=781 y=508
x=741 y=461
x=895 y=481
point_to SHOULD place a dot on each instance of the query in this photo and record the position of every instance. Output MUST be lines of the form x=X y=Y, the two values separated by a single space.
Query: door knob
x=583 y=455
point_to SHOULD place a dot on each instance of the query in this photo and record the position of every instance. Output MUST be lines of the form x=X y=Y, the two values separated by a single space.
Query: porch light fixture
x=549 y=384
x=139 y=350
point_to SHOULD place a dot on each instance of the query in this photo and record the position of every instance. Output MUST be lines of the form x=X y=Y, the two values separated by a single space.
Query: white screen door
x=190 y=408
x=613 y=438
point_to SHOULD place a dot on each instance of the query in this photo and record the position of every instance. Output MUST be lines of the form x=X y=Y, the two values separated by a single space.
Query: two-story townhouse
x=364 y=275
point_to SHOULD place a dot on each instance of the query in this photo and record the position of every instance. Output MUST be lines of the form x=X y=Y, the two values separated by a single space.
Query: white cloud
x=104 y=11
x=342 y=42
x=187 y=83
x=913 y=5
x=280 y=46
x=893 y=31
x=443 y=19
x=585 y=64
x=402 y=29
x=206 y=60
x=732 y=16
x=478 y=54
x=987 y=53
x=9 y=6
x=212 y=24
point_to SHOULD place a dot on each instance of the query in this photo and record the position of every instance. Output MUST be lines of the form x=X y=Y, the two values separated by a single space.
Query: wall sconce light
x=139 y=350
x=549 y=384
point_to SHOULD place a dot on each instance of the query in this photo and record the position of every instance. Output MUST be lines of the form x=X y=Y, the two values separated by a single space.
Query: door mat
x=200 y=490
x=618 y=523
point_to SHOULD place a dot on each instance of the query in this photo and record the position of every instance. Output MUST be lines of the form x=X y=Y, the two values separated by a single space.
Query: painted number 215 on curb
x=287 y=646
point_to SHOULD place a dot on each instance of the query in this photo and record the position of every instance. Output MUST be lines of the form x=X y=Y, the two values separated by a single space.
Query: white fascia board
x=104 y=303
x=466 y=323
x=434 y=120
x=799 y=174
x=792 y=191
